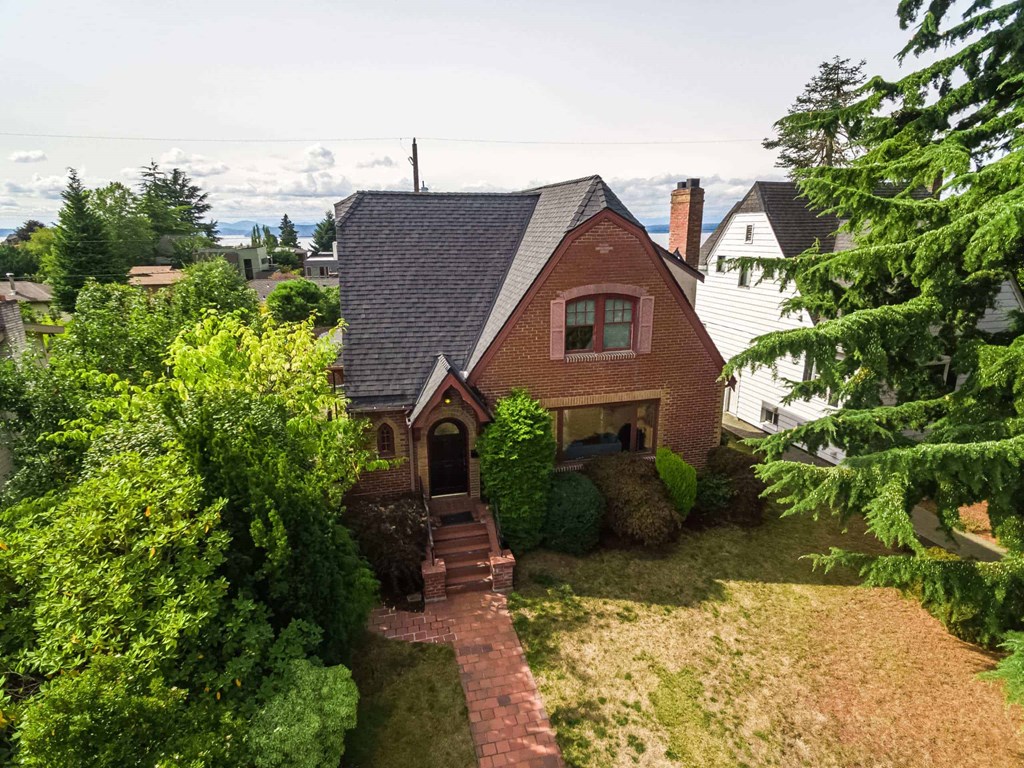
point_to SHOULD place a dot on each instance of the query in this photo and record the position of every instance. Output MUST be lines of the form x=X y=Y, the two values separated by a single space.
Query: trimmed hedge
x=391 y=534
x=517 y=460
x=679 y=477
x=638 y=505
x=728 y=491
x=573 y=523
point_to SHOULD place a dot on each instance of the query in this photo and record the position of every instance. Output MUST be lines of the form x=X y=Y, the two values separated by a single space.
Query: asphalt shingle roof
x=796 y=225
x=438 y=273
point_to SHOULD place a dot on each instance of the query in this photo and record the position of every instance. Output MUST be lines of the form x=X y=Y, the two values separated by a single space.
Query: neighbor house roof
x=155 y=276
x=428 y=274
x=797 y=226
x=28 y=291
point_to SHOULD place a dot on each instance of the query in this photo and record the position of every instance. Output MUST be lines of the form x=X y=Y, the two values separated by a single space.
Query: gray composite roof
x=440 y=273
x=796 y=225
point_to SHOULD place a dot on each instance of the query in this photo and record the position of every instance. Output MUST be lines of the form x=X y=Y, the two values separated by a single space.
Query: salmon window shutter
x=558 y=329
x=643 y=343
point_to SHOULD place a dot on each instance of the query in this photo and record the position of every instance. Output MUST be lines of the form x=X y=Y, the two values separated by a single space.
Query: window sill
x=593 y=357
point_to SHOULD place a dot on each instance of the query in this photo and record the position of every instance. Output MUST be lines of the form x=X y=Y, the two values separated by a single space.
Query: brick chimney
x=685 y=219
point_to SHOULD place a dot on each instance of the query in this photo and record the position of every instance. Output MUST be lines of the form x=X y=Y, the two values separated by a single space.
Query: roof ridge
x=584 y=202
x=591 y=177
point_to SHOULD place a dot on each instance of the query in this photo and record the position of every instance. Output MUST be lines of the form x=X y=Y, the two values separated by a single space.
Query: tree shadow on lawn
x=695 y=568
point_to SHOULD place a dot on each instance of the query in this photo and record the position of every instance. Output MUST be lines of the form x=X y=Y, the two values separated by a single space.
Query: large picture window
x=599 y=324
x=603 y=429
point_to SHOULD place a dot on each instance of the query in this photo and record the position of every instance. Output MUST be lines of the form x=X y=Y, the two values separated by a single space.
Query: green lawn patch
x=412 y=712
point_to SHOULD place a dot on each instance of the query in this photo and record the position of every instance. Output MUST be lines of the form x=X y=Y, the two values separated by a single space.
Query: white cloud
x=378 y=162
x=194 y=165
x=315 y=158
x=649 y=198
x=27 y=156
x=49 y=187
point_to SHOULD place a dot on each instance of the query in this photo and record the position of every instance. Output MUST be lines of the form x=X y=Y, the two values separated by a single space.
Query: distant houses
x=155 y=277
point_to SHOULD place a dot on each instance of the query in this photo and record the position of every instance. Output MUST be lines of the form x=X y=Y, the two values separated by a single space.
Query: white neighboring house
x=773 y=221
x=322 y=263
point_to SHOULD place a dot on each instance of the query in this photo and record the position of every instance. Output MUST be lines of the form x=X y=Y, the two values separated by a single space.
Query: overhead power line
x=350 y=139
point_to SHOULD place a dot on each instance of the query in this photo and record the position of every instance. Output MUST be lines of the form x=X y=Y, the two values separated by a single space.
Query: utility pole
x=415 y=160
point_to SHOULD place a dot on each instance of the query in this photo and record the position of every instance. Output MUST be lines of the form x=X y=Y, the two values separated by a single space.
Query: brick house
x=453 y=300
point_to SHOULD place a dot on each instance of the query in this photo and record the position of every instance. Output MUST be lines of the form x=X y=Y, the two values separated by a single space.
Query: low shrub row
x=392 y=534
x=639 y=507
x=728 y=491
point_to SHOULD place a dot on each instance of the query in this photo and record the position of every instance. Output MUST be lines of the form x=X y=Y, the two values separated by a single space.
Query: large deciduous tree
x=132 y=239
x=932 y=401
x=818 y=130
x=83 y=250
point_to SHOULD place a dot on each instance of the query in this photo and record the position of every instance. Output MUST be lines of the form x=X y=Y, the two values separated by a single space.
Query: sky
x=287 y=107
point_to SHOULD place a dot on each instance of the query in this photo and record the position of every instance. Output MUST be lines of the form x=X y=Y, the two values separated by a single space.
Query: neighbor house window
x=385 y=440
x=720 y=263
x=323 y=271
x=808 y=369
x=603 y=429
x=748 y=235
x=770 y=414
x=744 y=280
x=599 y=324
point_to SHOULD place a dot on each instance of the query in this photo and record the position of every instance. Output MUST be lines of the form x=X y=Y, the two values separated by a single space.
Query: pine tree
x=82 y=249
x=324 y=234
x=174 y=204
x=817 y=130
x=895 y=311
x=289 y=237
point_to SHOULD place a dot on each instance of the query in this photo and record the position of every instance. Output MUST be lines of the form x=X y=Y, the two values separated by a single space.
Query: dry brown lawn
x=729 y=650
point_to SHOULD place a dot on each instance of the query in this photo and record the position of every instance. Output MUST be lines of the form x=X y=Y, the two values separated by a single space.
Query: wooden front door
x=448 y=457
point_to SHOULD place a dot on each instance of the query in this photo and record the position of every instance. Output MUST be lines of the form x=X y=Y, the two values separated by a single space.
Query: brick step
x=460 y=531
x=469 y=583
x=456 y=546
x=481 y=554
x=479 y=568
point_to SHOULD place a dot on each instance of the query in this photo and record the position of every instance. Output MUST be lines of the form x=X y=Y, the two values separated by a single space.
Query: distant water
x=661 y=238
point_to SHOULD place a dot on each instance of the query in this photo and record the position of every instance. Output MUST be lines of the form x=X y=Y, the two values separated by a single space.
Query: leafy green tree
x=24 y=232
x=83 y=248
x=304 y=725
x=212 y=284
x=289 y=236
x=324 y=234
x=903 y=305
x=294 y=301
x=818 y=130
x=42 y=247
x=517 y=460
x=129 y=230
x=18 y=261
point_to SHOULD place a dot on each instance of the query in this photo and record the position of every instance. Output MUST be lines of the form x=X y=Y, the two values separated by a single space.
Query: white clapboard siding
x=735 y=315
x=1008 y=300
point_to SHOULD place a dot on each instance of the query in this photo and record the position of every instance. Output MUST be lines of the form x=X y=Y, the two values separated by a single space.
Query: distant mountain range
x=245 y=226
x=661 y=225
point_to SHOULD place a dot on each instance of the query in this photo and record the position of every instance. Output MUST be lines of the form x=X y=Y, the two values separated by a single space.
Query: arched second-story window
x=385 y=440
x=599 y=323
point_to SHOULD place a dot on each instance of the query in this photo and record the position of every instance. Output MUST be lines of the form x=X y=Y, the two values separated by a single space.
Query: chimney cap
x=688 y=184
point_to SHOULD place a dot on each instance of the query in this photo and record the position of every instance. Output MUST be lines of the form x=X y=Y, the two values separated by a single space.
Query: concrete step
x=461 y=531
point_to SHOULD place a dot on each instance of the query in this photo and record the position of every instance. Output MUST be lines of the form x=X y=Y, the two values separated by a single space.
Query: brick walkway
x=506 y=716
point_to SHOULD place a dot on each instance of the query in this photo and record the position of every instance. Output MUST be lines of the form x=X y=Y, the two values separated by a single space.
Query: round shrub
x=638 y=507
x=679 y=477
x=304 y=724
x=517 y=460
x=728 y=490
x=391 y=534
x=573 y=523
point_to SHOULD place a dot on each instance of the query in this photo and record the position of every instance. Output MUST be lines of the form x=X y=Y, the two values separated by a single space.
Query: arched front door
x=448 y=457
